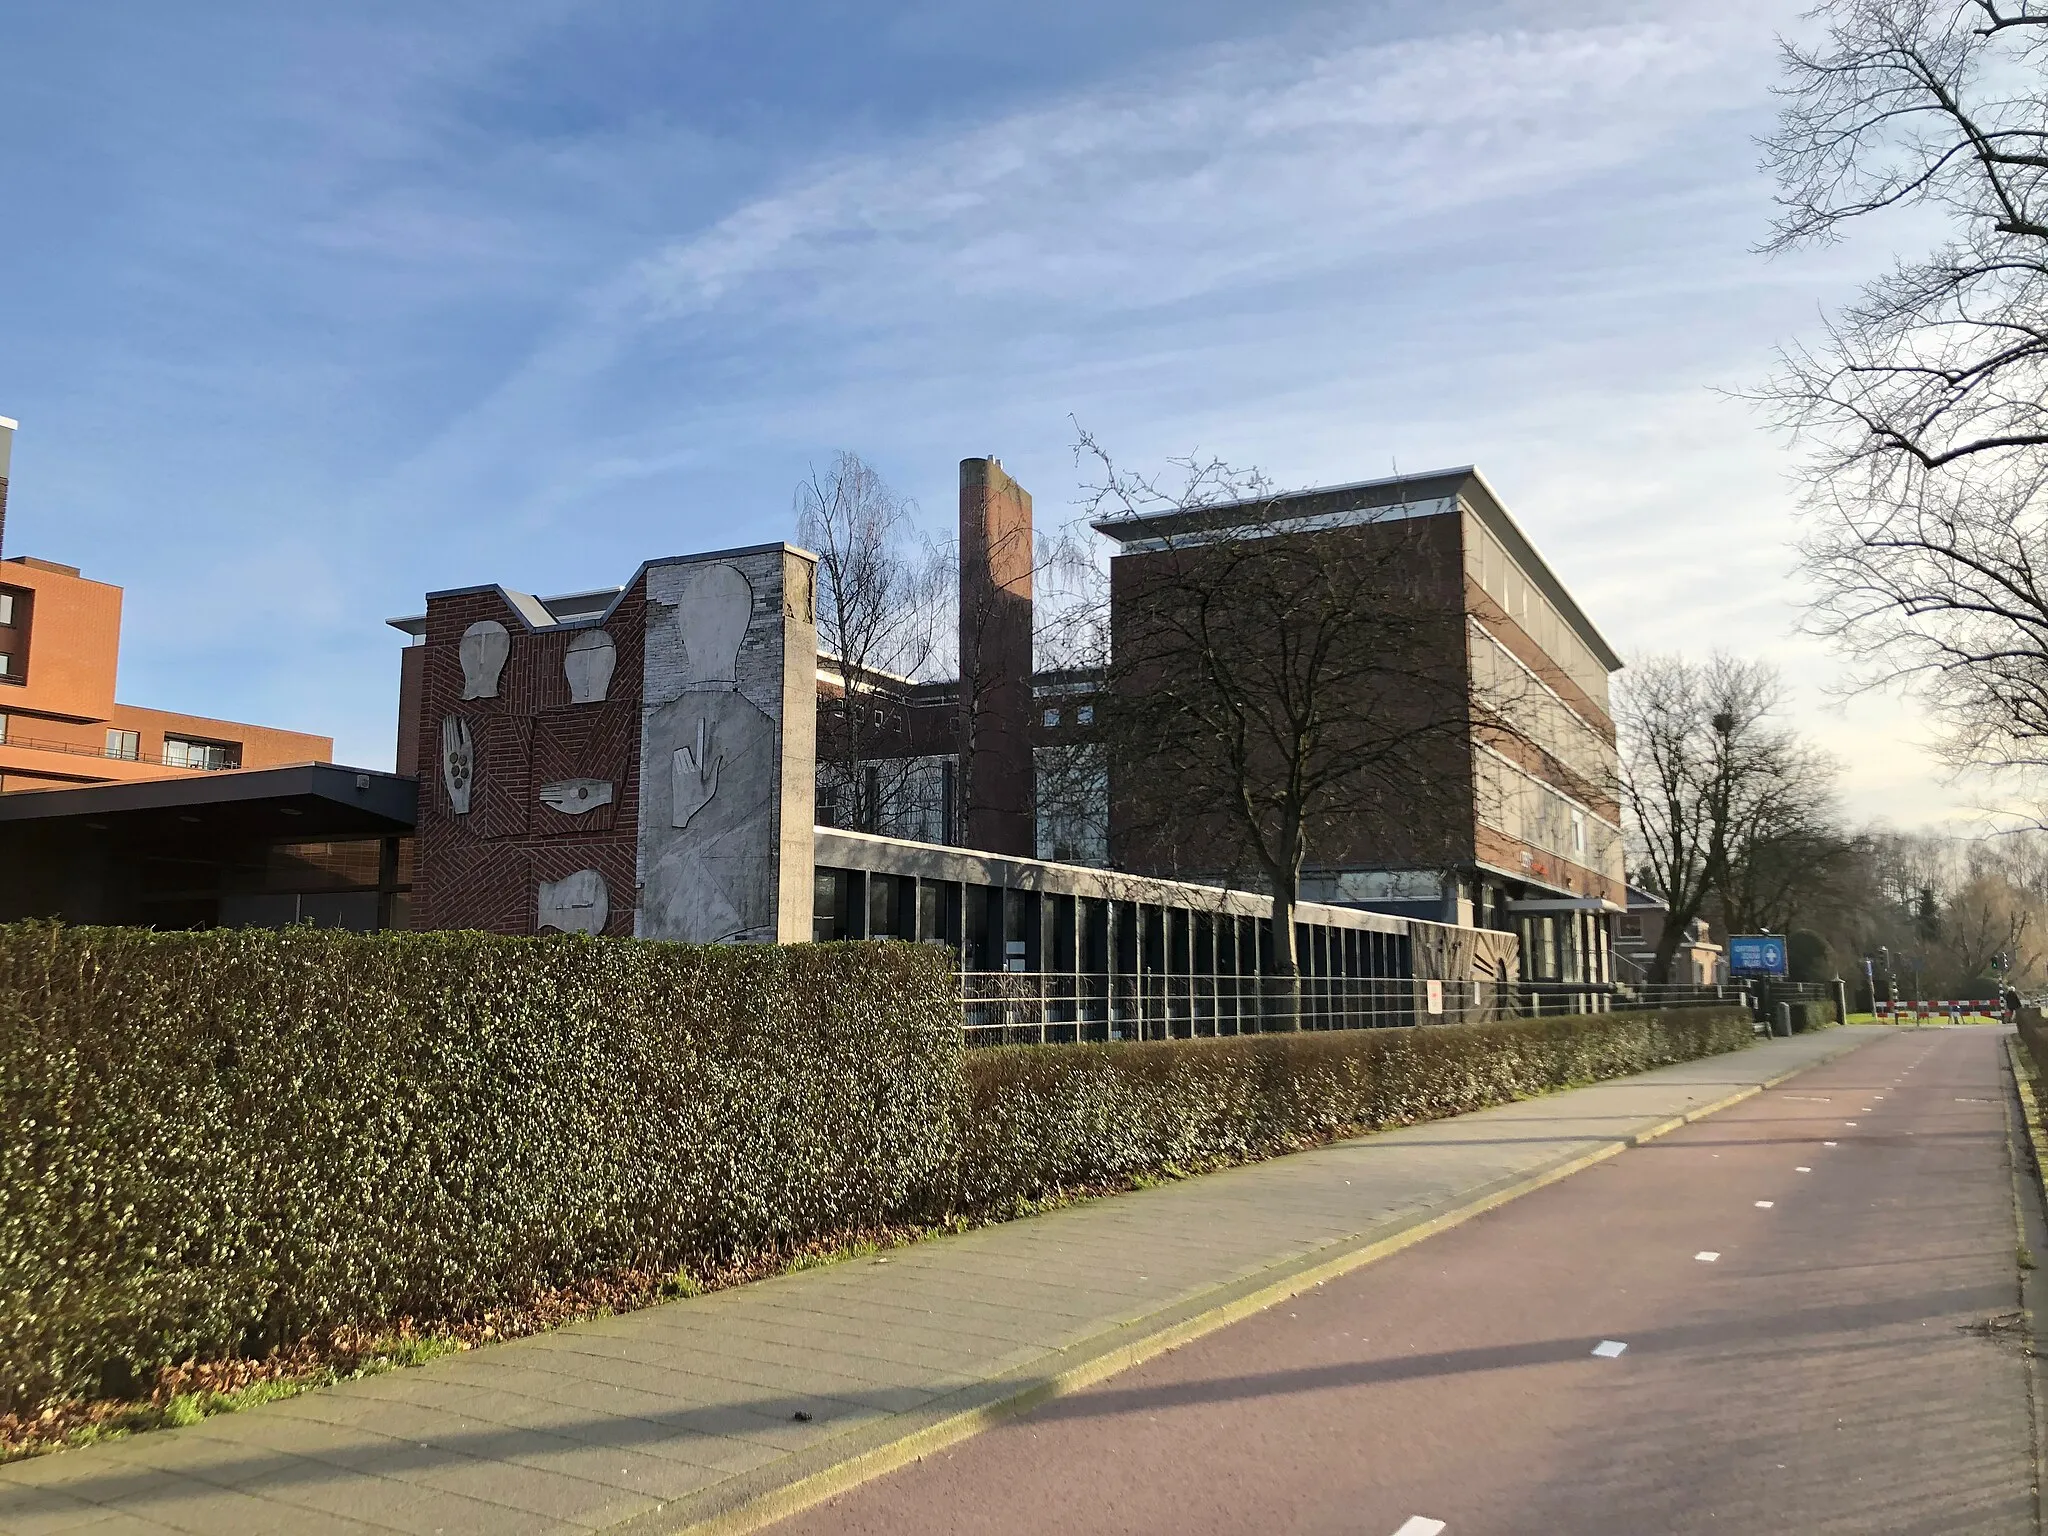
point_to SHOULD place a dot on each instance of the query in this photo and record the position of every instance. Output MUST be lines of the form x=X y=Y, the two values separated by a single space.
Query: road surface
x=1815 y=1292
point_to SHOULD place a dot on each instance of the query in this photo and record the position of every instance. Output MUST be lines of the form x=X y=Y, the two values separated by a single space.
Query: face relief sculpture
x=458 y=763
x=711 y=880
x=713 y=619
x=578 y=904
x=483 y=650
x=588 y=666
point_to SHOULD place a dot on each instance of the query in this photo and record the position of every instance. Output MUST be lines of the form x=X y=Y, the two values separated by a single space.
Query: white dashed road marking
x=1706 y=1255
x=1607 y=1349
x=1763 y=1205
x=1420 y=1525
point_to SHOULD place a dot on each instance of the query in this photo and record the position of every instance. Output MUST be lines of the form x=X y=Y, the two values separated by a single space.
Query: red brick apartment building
x=60 y=724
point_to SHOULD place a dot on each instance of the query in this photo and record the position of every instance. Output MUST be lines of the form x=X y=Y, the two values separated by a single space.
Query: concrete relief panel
x=712 y=616
x=578 y=904
x=483 y=650
x=588 y=666
x=458 y=763
x=710 y=785
x=576 y=797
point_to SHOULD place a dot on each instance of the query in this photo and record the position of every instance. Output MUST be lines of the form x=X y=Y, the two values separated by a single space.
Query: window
x=6 y=662
x=126 y=745
x=1085 y=715
x=182 y=752
x=1052 y=718
x=3 y=730
x=7 y=609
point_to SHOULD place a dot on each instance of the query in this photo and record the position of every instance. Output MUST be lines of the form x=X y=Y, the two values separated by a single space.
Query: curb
x=2028 y=1191
x=752 y=1500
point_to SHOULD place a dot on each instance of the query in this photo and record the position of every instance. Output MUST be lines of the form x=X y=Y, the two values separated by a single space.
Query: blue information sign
x=1761 y=954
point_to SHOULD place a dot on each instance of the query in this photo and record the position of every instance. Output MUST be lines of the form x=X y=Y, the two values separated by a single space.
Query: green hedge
x=1042 y=1120
x=214 y=1142
x=1812 y=1015
x=211 y=1143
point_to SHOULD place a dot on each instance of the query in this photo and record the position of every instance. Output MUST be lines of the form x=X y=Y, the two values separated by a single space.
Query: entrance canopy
x=314 y=842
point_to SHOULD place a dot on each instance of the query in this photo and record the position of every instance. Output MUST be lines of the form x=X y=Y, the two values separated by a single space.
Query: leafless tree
x=1924 y=405
x=880 y=610
x=1269 y=688
x=1716 y=792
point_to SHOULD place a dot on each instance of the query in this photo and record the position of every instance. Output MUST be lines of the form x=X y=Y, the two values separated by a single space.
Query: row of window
x=14 y=614
x=179 y=751
x=993 y=928
x=1505 y=582
x=1516 y=803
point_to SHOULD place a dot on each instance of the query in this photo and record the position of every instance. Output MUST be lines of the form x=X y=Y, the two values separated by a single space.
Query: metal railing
x=1042 y=1008
x=86 y=749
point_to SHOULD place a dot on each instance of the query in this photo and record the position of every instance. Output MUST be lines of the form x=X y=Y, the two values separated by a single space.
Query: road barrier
x=1956 y=1010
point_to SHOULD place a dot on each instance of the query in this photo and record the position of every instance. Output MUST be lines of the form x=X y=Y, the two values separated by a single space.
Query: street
x=1814 y=1292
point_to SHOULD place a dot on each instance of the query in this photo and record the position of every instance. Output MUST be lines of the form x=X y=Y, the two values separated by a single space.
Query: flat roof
x=1427 y=494
x=328 y=796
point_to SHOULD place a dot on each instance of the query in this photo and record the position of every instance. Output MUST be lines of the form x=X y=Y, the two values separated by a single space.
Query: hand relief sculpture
x=572 y=797
x=458 y=762
x=483 y=650
x=695 y=769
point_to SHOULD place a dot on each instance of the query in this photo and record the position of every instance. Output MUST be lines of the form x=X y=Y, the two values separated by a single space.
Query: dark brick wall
x=996 y=560
x=483 y=870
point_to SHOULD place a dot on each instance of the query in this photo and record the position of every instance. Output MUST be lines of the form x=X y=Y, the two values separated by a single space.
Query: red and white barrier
x=1933 y=1008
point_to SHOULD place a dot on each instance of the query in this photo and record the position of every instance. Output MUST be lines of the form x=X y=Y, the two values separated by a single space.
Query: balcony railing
x=81 y=749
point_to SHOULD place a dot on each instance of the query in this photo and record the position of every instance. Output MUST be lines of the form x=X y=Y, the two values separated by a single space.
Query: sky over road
x=307 y=312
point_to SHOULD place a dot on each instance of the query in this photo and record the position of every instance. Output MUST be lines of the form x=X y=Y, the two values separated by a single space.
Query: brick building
x=60 y=724
x=1522 y=833
x=636 y=761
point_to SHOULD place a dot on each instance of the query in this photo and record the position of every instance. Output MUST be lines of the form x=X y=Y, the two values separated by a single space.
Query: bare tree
x=880 y=609
x=1713 y=789
x=1267 y=688
x=1924 y=406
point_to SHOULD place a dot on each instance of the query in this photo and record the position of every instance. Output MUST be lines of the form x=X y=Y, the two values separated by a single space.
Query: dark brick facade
x=483 y=870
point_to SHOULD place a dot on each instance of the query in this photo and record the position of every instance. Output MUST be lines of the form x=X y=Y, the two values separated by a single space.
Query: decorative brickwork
x=484 y=870
x=711 y=686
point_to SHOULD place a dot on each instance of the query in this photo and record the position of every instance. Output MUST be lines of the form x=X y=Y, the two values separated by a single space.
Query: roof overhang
x=318 y=799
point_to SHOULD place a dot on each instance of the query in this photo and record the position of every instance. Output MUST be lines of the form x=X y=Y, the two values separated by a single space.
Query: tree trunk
x=1282 y=989
x=1667 y=950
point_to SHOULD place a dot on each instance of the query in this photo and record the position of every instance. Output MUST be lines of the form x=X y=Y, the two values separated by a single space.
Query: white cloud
x=1251 y=165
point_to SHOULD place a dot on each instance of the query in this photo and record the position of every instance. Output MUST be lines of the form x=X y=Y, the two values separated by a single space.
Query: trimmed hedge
x=1043 y=1120
x=215 y=1142
x=212 y=1143
x=1810 y=1015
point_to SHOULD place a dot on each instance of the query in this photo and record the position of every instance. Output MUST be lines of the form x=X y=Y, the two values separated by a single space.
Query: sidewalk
x=724 y=1411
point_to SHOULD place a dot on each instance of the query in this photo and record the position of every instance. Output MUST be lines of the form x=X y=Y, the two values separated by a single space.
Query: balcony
x=181 y=757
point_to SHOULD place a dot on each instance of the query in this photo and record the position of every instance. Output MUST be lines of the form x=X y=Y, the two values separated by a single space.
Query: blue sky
x=305 y=315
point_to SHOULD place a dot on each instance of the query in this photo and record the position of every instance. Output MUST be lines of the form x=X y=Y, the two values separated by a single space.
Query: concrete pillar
x=728 y=748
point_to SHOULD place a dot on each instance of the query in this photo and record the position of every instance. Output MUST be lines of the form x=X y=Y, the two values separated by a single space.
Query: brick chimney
x=995 y=661
x=7 y=428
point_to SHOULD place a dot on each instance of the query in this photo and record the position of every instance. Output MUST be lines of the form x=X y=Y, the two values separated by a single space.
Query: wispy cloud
x=1253 y=164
